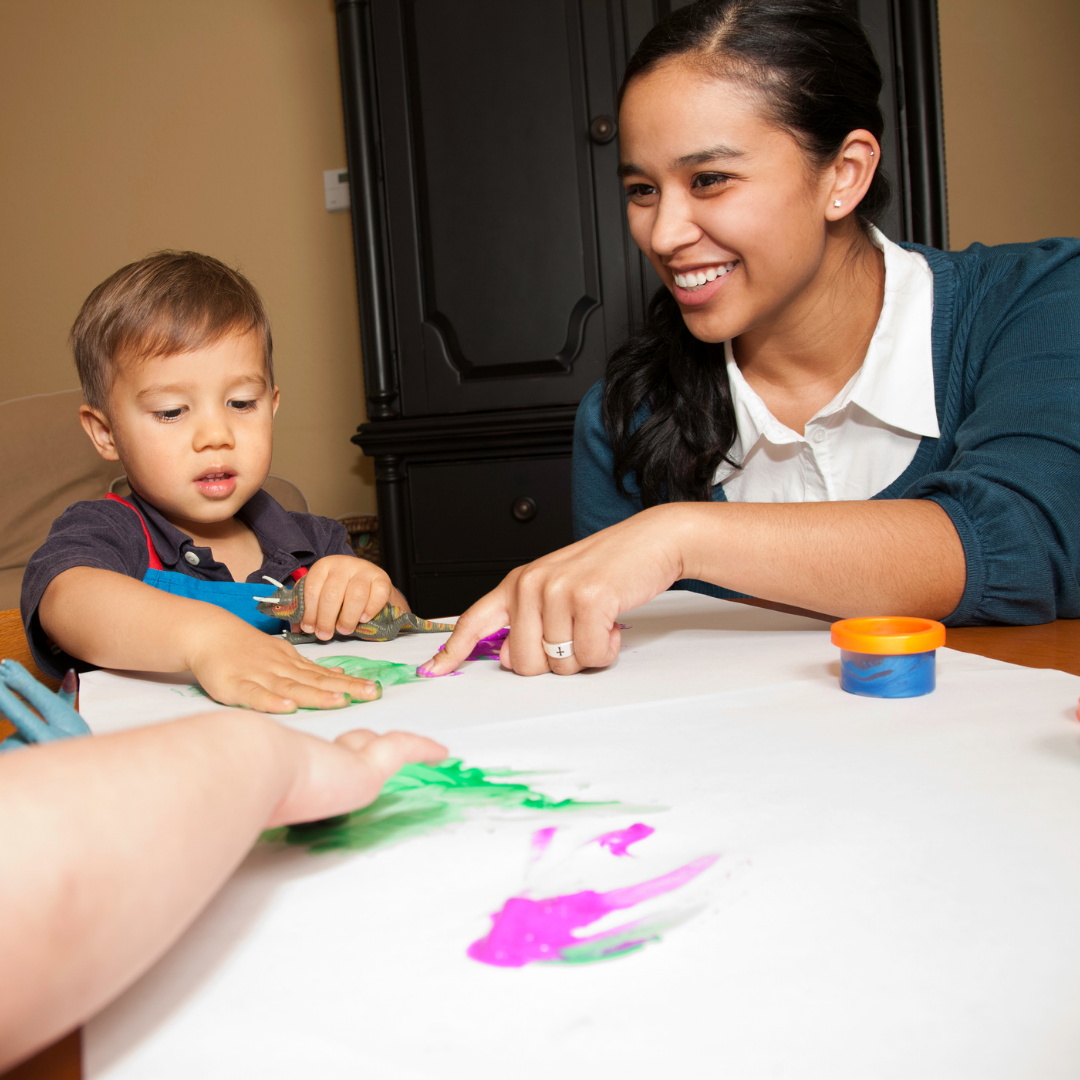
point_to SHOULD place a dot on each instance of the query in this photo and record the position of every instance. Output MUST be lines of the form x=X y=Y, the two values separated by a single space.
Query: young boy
x=176 y=363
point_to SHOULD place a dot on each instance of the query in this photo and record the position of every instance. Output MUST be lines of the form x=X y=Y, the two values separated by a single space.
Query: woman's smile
x=698 y=286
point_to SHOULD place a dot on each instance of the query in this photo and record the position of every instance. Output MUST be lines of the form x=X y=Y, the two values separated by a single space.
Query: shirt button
x=818 y=435
x=191 y=557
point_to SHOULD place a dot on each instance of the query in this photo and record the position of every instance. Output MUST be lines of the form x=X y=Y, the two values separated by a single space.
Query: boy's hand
x=341 y=591
x=239 y=665
x=335 y=778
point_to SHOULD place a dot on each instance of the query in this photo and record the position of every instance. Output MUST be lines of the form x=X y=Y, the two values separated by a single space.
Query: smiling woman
x=813 y=414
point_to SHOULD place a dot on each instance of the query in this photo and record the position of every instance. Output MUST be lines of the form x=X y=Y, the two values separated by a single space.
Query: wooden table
x=1052 y=645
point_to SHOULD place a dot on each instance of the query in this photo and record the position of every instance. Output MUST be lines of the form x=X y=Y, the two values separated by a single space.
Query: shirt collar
x=896 y=380
x=278 y=535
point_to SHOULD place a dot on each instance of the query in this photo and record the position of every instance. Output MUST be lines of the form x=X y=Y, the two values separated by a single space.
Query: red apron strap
x=298 y=573
x=155 y=562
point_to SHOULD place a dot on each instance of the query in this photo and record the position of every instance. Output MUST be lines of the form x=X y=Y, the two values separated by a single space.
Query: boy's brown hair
x=170 y=302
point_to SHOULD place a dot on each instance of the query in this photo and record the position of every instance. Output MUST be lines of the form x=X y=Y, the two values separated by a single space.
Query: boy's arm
x=111 y=846
x=111 y=620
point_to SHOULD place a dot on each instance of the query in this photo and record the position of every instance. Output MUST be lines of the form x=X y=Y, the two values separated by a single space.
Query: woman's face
x=718 y=195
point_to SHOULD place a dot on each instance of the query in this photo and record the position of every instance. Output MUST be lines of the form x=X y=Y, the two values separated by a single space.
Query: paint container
x=887 y=657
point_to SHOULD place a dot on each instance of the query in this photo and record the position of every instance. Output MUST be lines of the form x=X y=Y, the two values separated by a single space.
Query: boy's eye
x=243 y=406
x=166 y=415
x=640 y=193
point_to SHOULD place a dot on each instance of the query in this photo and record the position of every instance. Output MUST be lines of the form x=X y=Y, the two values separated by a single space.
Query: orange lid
x=887 y=635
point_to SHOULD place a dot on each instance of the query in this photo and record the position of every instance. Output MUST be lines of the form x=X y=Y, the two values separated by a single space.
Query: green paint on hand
x=421 y=799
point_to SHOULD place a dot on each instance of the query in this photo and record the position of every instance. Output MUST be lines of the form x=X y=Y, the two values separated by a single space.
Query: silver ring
x=560 y=651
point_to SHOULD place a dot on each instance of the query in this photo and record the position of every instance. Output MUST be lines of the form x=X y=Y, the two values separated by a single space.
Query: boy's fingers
x=387 y=753
x=261 y=699
x=355 y=608
x=330 y=601
x=377 y=598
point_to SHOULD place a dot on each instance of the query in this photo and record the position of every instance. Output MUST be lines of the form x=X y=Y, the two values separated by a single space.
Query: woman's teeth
x=695 y=279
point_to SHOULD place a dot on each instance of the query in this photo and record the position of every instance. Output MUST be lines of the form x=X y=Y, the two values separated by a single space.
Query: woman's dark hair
x=816 y=76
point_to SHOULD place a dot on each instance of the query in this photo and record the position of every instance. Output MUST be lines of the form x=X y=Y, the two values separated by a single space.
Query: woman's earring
x=871 y=153
x=836 y=202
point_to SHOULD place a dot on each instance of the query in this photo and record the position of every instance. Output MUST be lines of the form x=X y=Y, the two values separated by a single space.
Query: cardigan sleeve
x=597 y=502
x=1012 y=487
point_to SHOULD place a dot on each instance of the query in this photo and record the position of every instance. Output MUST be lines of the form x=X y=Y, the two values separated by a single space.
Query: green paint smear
x=422 y=799
x=384 y=672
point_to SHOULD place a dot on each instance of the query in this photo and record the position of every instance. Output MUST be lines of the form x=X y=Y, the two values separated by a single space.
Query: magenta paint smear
x=487 y=648
x=541 y=841
x=422 y=674
x=527 y=930
x=619 y=841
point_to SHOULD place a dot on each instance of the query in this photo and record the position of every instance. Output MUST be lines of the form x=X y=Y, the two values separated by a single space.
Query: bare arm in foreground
x=888 y=557
x=114 y=621
x=109 y=847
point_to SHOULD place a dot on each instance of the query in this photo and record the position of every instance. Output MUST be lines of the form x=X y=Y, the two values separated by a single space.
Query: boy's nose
x=214 y=433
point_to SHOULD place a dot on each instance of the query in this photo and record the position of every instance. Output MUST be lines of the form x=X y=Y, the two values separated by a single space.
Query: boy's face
x=194 y=431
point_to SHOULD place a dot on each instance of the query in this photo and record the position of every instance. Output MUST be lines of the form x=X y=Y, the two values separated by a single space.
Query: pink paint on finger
x=619 y=841
x=527 y=930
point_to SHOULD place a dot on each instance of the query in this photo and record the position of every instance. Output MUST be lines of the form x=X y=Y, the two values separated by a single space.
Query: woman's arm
x=843 y=558
x=109 y=847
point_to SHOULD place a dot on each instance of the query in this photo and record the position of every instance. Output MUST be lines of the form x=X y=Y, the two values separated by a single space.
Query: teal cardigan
x=1006 y=468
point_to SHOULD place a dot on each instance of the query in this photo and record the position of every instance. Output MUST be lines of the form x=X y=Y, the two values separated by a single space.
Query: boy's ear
x=275 y=401
x=96 y=424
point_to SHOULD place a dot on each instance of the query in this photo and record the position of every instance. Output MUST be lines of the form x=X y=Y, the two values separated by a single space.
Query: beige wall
x=127 y=126
x=1011 y=86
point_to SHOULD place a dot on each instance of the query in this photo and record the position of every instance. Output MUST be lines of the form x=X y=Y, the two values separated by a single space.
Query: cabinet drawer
x=485 y=511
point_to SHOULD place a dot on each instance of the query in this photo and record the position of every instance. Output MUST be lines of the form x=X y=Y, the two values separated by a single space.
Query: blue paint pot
x=888 y=657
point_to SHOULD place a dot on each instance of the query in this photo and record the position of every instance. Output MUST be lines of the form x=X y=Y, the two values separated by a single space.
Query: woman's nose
x=673 y=226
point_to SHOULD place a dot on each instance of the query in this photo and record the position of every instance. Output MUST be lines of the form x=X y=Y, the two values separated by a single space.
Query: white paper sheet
x=897 y=892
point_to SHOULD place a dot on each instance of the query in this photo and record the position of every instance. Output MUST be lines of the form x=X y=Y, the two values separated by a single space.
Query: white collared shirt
x=867 y=435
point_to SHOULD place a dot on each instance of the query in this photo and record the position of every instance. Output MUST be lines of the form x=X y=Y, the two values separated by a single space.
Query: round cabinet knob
x=602 y=129
x=524 y=508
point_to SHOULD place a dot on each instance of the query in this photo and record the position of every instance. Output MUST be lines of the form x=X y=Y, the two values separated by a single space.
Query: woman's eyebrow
x=703 y=157
x=700 y=157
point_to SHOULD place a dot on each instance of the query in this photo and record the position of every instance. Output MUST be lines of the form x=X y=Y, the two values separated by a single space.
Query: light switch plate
x=336 y=188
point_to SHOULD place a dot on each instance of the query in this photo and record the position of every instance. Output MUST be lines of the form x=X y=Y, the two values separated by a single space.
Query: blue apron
x=235 y=596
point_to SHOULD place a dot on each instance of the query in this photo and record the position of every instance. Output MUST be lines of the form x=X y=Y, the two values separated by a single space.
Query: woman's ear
x=853 y=171
x=97 y=425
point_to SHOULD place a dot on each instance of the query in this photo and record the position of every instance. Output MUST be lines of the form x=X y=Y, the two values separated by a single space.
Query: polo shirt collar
x=281 y=539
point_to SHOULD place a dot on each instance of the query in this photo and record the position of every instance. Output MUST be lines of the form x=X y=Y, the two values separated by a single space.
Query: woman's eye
x=243 y=406
x=640 y=193
x=167 y=415
x=710 y=180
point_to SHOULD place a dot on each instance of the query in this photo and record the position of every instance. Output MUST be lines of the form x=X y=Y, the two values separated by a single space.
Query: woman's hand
x=573 y=595
x=341 y=591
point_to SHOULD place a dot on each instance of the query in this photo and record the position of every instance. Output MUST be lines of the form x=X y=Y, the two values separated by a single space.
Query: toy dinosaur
x=288 y=603
x=55 y=718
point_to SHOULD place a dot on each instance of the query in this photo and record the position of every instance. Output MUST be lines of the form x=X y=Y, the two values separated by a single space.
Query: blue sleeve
x=596 y=500
x=1012 y=488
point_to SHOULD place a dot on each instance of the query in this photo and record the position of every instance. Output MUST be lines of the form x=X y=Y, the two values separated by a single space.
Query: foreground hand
x=338 y=777
x=341 y=591
x=239 y=665
x=574 y=595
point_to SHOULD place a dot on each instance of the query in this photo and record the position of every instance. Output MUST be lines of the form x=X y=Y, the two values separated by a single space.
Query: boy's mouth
x=216 y=483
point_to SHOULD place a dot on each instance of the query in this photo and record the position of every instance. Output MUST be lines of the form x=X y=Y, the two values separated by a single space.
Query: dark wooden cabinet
x=494 y=267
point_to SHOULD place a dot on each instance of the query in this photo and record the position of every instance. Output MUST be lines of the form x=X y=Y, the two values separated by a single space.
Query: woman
x=812 y=415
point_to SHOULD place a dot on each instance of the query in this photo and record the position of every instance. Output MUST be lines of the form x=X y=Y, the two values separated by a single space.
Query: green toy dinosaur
x=288 y=603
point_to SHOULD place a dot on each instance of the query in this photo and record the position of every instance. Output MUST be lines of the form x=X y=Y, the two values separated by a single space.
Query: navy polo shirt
x=108 y=535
